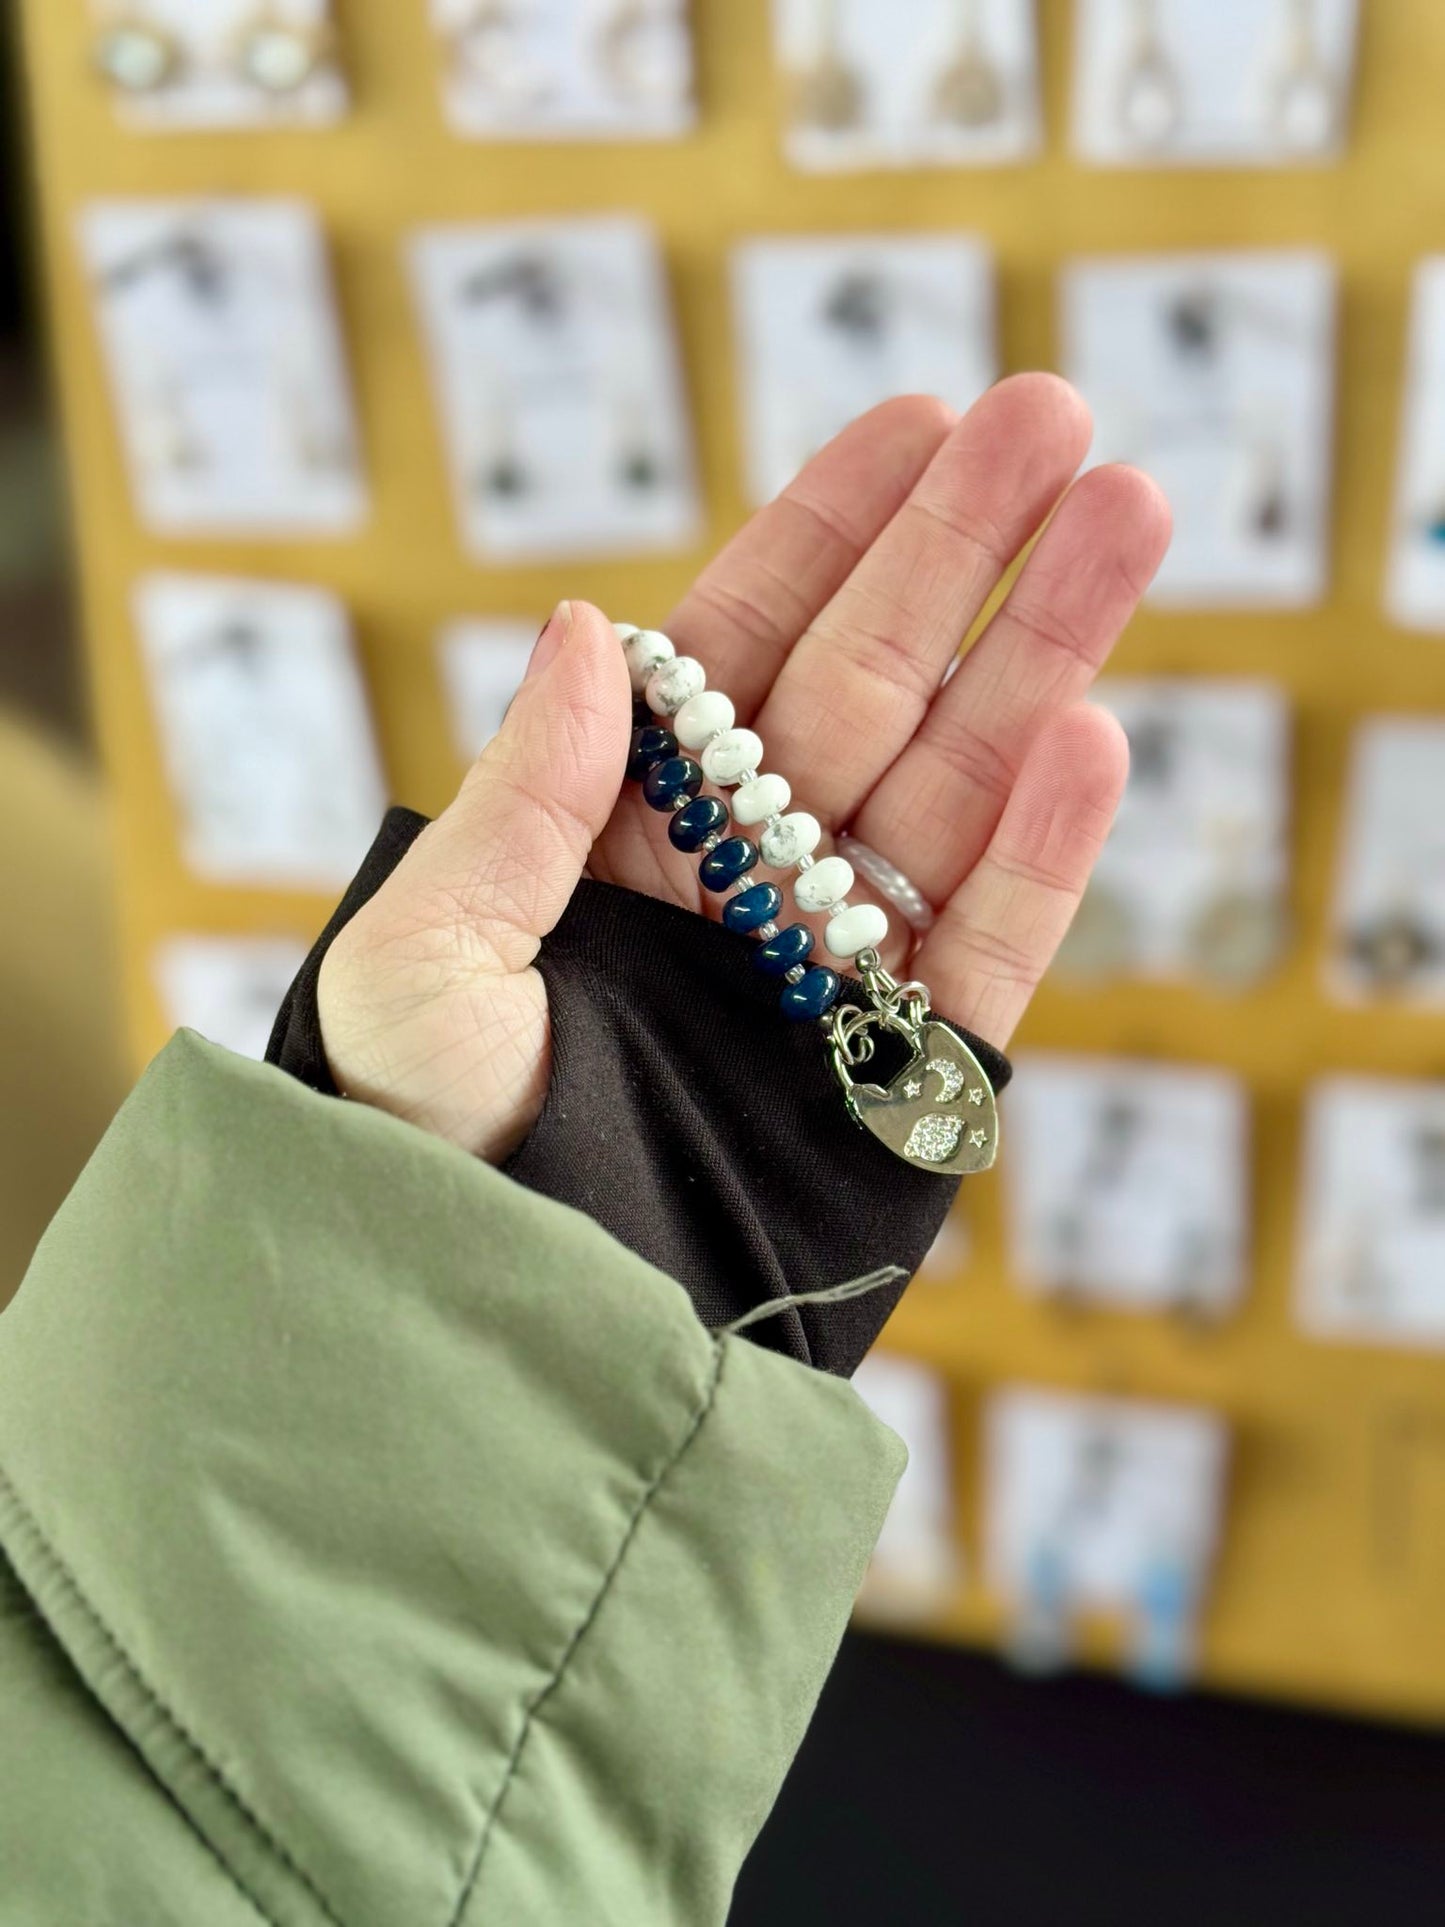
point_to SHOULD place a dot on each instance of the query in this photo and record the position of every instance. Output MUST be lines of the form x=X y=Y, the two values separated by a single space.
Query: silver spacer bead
x=806 y=862
x=711 y=840
x=795 y=975
x=681 y=801
x=766 y=932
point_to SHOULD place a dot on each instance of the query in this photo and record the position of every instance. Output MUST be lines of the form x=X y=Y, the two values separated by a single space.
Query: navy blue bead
x=696 y=821
x=732 y=858
x=814 y=994
x=666 y=781
x=641 y=714
x=649 y=746
x=776 y=957
x=750 y=908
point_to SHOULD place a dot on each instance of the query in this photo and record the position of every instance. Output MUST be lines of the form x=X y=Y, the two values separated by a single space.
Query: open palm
x=831 y=620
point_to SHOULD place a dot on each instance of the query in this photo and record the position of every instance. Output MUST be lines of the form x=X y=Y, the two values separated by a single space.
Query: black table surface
x=937 y=1787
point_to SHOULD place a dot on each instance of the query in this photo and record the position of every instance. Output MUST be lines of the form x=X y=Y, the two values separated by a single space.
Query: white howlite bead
x=827 y=883
x=791 y=838
x=645 y=651
x=859 y=927
x=703 y=717
x=624 y=631
x=765 y=796
x=727 y=756
x=676 y=683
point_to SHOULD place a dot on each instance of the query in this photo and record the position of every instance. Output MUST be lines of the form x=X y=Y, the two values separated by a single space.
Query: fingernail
x=550 y=640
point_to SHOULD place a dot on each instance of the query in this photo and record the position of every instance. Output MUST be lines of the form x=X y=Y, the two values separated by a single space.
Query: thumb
x=507 y=853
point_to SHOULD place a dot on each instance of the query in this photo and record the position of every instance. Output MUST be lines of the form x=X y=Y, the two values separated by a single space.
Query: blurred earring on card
x=1305 y=97
x=1151 y=102
x=1235 y=938
x=168 y=440
x=639 y=466
x=1432 y=523
x=827 y=93
x=488 y=45
x=970 y=91
x=503 y=473
x=1160 y=1658
x=1262 y=507
x=136 y=55
x=1394 y=949
x=1102 y=941
x=320 y=443
x=642 y=53
x=1040 y=1638
x=279 y=56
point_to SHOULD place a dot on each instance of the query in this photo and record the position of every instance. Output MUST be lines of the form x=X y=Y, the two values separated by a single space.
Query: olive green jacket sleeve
x=382 y=1545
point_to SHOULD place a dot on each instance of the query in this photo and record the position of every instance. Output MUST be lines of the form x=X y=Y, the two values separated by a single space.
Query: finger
x=855 y=688
x=940 y=802
x=999 y=931
x=501 y=862
x=752 y=602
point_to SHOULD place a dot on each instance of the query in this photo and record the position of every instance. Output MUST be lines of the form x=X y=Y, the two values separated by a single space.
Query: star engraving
x=913 y=1088
x=975 y=1097
x=978 y=1138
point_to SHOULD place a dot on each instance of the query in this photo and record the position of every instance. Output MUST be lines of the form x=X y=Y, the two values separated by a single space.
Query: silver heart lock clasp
x=939 y=1113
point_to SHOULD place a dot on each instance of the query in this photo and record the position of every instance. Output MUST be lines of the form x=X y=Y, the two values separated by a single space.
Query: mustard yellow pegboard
x=1332 y=1582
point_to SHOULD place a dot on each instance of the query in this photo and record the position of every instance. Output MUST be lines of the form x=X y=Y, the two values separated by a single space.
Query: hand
x=830 y=620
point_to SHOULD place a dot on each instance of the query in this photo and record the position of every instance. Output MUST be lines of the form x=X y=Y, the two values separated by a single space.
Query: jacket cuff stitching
x=555 y=1678
x=22 y=1524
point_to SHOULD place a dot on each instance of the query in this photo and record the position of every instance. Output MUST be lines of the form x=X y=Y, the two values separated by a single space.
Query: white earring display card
x=1415 y=585
x=1202 y=83
x=1215 y=373
x=187 y=64
x=829 y=327
x=1389 y=917
x=1191 y=883
x=596 y=69
x=228 y=988
x=1102 y=1505
x=227 y=367
x=916 y=1564
x=559 y=389
x=265 y=731
x=483 y=660
x=1372 y=1244
x=1127 y=1184
x=944 y=83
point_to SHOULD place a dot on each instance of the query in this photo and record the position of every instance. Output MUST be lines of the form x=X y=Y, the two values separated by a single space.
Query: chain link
x=893 y=1006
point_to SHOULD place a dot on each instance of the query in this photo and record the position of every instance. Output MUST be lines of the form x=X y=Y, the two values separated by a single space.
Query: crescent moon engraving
x=950 y=1078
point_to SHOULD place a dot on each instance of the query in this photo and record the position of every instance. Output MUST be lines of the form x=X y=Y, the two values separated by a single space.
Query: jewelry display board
x=1317 y=1439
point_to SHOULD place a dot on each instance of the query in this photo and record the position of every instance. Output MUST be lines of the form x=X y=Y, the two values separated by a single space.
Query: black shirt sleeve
x=688 y=1119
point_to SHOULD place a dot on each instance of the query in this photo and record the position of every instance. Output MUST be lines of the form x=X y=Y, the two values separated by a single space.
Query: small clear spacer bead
x=766 y=932
x=681 y=800
x=795 y=975
x=806 y=862
x=711 y=841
